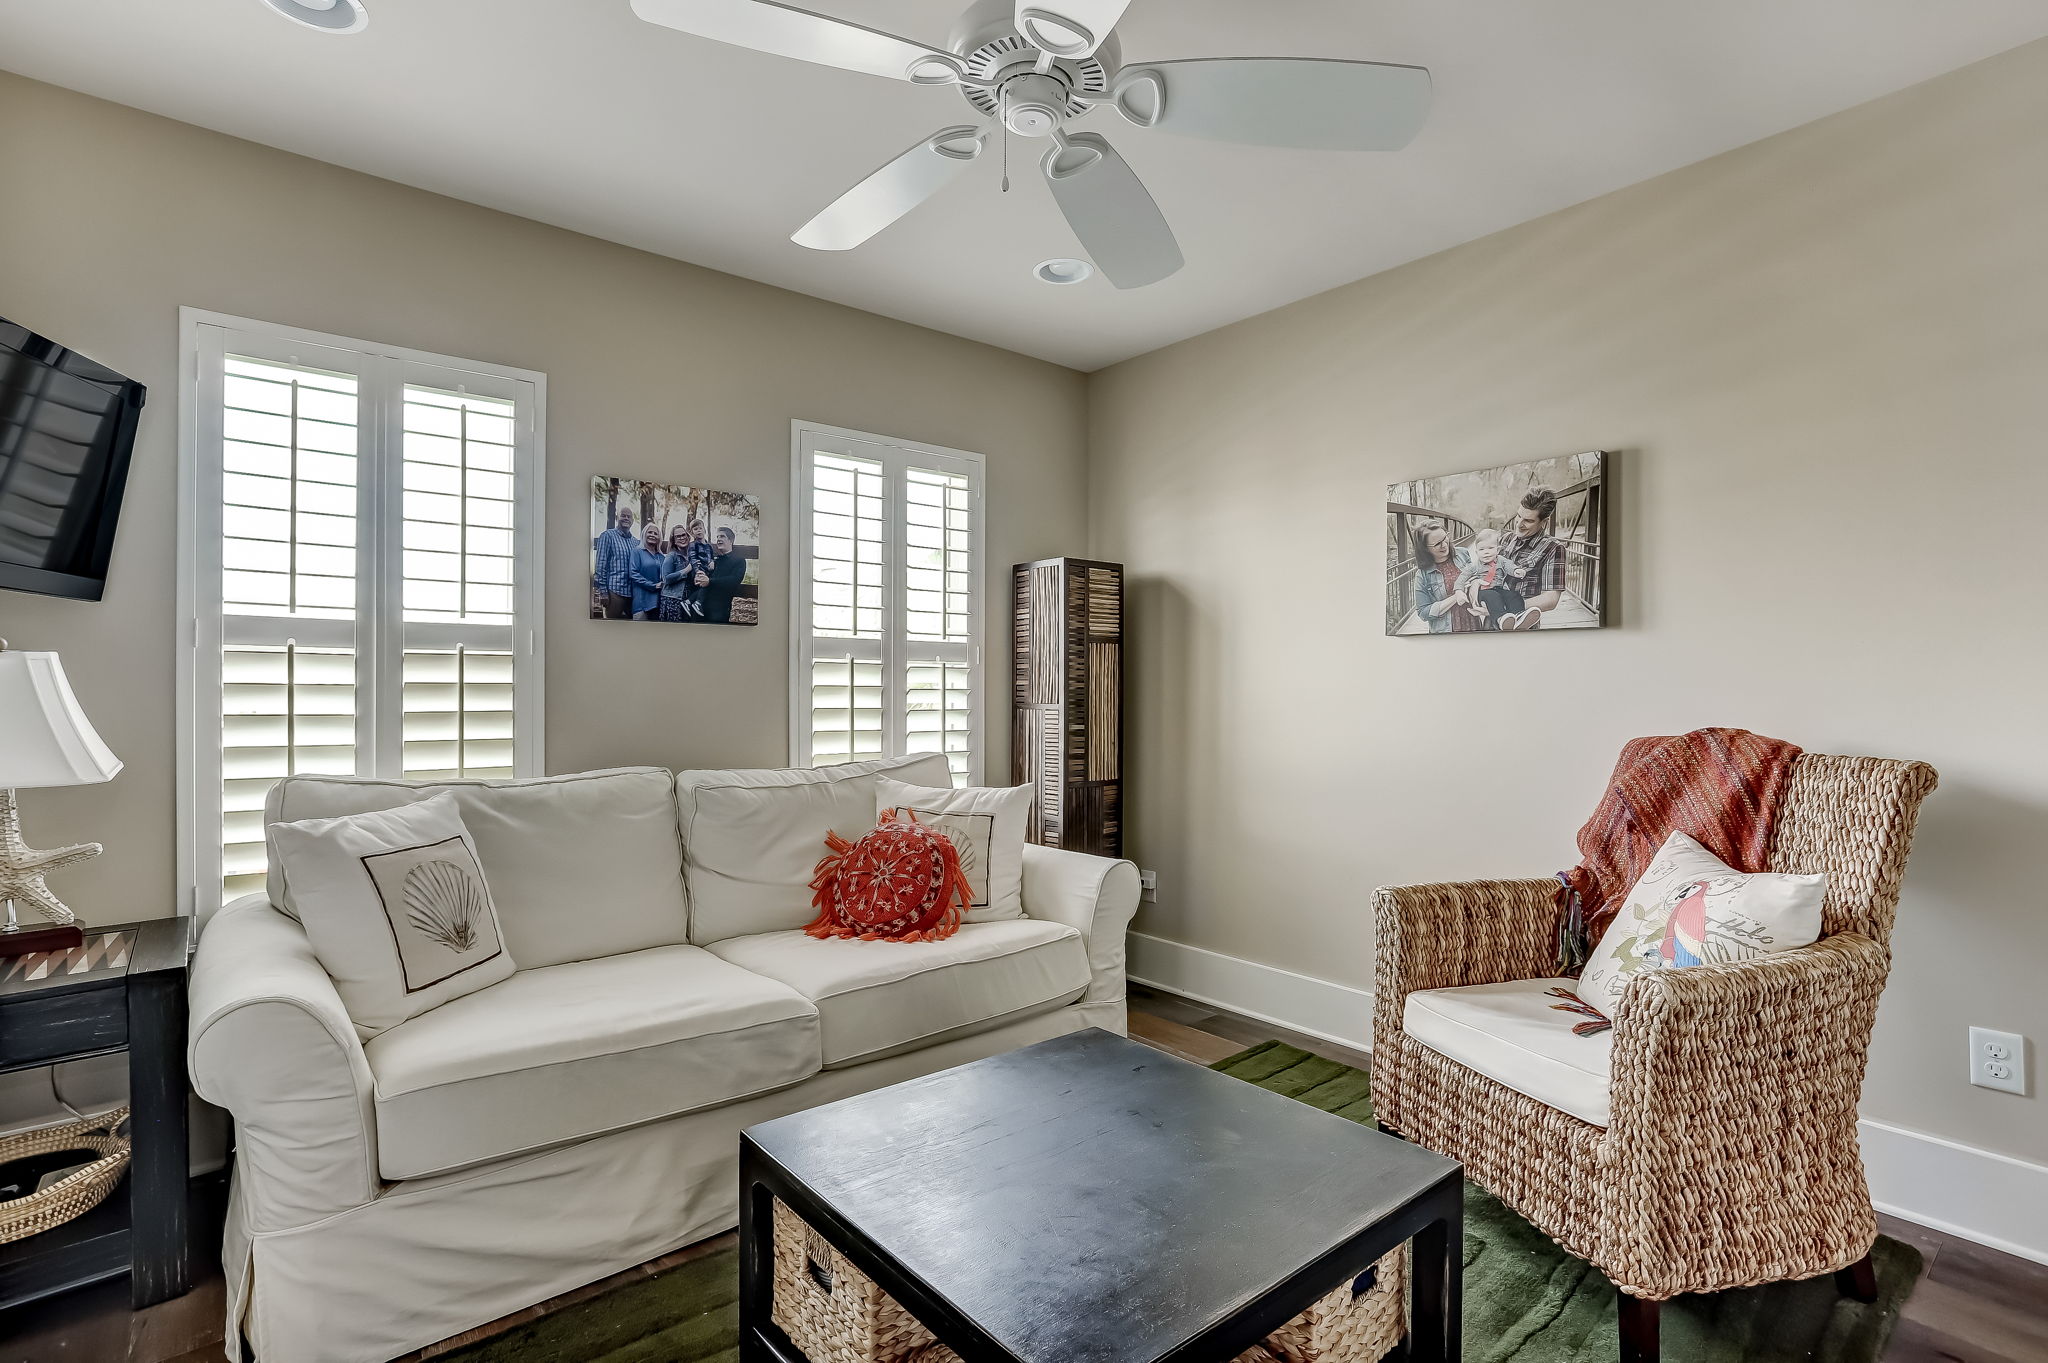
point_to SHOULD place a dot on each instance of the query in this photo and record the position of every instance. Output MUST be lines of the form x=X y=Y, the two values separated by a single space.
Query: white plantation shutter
x=886 y=638
x=288 y=491
x=359 y=561
x=459 y=611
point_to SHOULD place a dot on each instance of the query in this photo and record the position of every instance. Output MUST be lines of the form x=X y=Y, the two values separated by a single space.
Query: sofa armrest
x=271 y=1043
x=1097 y=895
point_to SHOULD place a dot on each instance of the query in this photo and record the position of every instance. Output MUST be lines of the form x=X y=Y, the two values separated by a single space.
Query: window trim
x=202 y=335
x=801 y=655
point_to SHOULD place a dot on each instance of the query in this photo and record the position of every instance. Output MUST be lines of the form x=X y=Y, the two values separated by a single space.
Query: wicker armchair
x=1730 y=1158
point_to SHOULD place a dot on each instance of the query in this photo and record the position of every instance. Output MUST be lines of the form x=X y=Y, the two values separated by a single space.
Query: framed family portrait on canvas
x=671 y=554
x=1503 y=550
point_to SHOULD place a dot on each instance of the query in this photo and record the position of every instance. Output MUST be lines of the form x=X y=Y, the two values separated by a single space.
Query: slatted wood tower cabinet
x=1068 y=684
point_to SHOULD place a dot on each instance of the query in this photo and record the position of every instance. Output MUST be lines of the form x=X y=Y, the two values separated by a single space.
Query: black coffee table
x=1091 y=1200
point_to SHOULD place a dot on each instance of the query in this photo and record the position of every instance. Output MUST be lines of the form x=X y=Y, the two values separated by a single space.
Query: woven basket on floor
x=835 y=1313
x=76 y=1194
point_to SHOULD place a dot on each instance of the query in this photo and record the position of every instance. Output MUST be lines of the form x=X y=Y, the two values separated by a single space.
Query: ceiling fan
x=1035 y=67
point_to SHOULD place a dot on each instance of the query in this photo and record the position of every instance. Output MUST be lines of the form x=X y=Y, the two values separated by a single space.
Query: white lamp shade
x=45 y=738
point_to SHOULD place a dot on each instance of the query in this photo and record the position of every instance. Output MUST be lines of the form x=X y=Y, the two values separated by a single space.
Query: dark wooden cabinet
x=123 y=989
x=1067 y=674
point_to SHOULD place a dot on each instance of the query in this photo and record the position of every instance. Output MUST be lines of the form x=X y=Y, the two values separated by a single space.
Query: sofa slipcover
x=876 y=998
x=579 y=866
x=1510 y=1033
x=574 y=1050
x=329 y=1258
x=433 y=1257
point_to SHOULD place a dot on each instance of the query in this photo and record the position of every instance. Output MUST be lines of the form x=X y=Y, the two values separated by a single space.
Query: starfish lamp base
x=27 y=941
x=22 y=869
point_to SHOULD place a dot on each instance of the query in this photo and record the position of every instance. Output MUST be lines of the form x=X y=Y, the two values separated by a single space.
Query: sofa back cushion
x=579 y=866
x=752 y=839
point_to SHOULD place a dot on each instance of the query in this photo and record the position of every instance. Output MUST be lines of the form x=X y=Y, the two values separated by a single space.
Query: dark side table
x=123 y=989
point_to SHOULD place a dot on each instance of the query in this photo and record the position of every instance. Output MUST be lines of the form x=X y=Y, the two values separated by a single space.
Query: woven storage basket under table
x=76 y=1194
x=835 y=1313
x=831 y=1310
x=1359 y=1321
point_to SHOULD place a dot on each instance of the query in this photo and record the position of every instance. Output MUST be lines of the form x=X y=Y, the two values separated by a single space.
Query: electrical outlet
x=1998 y=1060
x=1148 y=886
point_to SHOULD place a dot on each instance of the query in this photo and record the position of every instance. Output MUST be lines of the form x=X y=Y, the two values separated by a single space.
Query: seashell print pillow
x=396 y=908
x=1691 y=908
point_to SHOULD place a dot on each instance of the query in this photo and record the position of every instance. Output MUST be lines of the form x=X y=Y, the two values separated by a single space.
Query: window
x=886 y=622
x=360 y=563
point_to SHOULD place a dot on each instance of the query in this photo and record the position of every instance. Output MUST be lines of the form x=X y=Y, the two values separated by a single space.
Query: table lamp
x=45 y=740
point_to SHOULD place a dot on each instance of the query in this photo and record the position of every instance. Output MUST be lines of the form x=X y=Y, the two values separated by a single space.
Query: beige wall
x=1824 y=362
x=111 y=219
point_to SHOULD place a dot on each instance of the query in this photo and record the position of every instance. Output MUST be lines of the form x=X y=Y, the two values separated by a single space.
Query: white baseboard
x=1321 y=1008
x=1981 y=1195
x=1992 y=1199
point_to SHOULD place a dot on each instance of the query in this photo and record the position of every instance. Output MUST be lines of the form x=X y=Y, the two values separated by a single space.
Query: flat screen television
x=67 y=428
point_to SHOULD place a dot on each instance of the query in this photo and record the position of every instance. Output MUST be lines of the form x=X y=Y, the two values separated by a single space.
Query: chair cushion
x=877 y=998
x=1511 y=1034
x=573 y=1050
x=752 y=839
x=579 y=866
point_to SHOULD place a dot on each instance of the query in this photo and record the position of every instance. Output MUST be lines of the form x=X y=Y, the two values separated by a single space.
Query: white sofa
x=583 y=1115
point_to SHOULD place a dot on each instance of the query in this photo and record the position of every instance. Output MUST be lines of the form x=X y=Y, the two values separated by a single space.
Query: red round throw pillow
x=901 y=882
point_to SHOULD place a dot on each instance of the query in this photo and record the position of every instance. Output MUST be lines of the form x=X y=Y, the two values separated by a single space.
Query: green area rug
x=1525 y=1299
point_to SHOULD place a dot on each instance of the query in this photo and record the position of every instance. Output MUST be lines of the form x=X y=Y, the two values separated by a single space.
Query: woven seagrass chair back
x=1851 y=819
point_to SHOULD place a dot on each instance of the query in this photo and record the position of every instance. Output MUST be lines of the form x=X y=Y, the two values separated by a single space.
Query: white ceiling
x=576 y=113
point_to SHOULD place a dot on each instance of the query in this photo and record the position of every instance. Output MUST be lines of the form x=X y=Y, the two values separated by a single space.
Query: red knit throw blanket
x=1720 y=786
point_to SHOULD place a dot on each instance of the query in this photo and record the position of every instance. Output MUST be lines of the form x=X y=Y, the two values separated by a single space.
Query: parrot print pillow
x=1692 y=909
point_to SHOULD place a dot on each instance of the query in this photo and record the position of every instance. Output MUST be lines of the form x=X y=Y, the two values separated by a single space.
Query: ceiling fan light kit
x=1034 y=68
x=324 y=16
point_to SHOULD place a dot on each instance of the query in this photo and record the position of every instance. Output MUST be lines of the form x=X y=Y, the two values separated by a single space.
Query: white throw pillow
x=752 y=840
x=396 y=907
x=1691 y=908
x=985 y=825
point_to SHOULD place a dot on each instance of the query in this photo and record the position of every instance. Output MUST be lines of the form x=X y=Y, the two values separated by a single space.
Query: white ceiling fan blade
x=787 y=31
x=892 y=191
x=1068 y=28
x=1110 y=210
x=1311 y=102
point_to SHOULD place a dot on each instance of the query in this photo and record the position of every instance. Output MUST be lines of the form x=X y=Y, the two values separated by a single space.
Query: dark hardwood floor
x=1975 y=1305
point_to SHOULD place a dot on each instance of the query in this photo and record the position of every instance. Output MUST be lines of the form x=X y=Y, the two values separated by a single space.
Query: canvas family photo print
x=675 y=555
x=1503 y=550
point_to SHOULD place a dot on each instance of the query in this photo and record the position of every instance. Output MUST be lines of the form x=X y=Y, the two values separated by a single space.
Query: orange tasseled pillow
x=901 y=882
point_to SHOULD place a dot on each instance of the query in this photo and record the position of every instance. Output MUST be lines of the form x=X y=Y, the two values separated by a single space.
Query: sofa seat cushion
x=878 y=998
x=573 y=1050
x=1511 y=1034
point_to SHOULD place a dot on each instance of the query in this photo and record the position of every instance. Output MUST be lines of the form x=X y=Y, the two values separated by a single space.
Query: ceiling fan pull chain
x=1006 y=158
